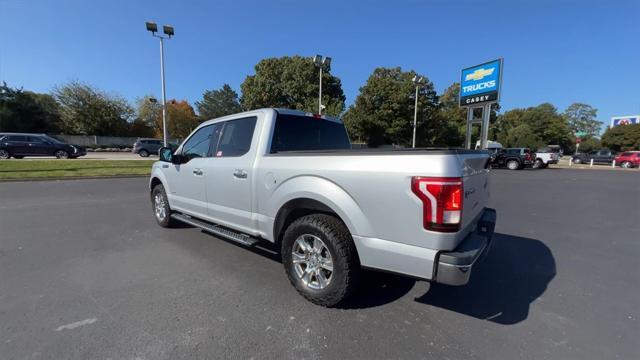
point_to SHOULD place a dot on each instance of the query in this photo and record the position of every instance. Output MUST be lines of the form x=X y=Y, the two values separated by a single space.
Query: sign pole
x=486 y=114
x=467 y=143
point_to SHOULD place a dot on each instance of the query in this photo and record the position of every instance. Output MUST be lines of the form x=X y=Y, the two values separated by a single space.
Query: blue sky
x=555 y=51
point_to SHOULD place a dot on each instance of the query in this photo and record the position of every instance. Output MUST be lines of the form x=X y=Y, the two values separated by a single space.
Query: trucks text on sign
x=481 y=83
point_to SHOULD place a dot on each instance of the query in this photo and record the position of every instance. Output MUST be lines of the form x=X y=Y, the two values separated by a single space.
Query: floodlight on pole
x=418 y=81
x=169 y=32
x=321 y=62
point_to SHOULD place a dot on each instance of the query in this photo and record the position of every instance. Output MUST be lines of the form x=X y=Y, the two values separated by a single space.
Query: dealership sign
x=625 y=120
x=481 y=84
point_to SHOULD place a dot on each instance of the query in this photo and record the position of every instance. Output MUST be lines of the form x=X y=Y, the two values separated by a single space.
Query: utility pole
x=168 y=30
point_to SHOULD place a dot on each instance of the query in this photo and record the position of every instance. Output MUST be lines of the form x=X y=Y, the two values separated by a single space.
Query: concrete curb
x=76 y=178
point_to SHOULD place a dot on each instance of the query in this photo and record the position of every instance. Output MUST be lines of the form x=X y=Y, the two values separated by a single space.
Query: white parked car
x=544 y=157
x=291 y=178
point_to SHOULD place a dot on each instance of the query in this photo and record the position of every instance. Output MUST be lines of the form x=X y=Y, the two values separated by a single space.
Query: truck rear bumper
x=454 y=267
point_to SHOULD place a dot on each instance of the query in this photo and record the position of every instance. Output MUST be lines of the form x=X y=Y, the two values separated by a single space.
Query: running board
x=218 y=230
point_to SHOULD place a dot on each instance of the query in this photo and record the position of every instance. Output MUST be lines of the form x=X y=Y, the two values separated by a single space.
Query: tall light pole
x=321 y=62
x=168 y=30
x=418 y=81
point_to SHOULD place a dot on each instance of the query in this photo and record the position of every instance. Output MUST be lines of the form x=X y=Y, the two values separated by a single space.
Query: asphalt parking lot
x=86 y=273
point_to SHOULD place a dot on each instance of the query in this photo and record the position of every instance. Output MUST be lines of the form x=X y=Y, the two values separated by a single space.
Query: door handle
x=240 y=174
x=198 y=172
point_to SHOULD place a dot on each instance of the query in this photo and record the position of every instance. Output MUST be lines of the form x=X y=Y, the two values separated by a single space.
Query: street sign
x=625 y=120
x=580 y=134
x=481 y=84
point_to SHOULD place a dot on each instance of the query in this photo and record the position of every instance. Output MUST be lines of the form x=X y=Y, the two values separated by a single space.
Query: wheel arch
x=293 y=199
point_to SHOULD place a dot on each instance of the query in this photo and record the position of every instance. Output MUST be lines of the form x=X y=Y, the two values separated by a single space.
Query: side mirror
x=166 y=154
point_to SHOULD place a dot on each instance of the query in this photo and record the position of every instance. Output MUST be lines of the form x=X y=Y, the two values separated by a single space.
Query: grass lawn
x=55 y=168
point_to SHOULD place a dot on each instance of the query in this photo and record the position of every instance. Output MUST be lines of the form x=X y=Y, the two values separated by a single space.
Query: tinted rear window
x=300 y=133
x=626 y=154
x=16 y=138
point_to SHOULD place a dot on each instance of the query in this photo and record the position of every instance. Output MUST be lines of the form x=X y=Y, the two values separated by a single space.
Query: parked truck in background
x=544 y=157
x=291 y=178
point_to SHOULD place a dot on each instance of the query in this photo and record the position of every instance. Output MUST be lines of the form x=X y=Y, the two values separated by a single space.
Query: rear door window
x=300 y=133
x=34 y=139
x=236 y=137
x=16 y=138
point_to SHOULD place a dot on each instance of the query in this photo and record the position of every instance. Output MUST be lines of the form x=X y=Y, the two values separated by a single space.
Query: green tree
x=522 y=136
x=217 y=103
x=622 y=137
x=181 y=119
x=383 y=111
x=148 y=109
x=453 y=117
x=582 y=118
x=546 y=124
x=291 y=82
x=87 y=110
x=26 y=111
x=589 y=143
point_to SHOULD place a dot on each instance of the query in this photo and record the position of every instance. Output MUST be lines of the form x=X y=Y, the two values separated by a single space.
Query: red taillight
x=441 y=202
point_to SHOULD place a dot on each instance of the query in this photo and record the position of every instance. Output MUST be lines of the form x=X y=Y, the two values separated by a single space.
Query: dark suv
x=513 y=158
x=145 y=147
x=20 y=145
x=603 y=156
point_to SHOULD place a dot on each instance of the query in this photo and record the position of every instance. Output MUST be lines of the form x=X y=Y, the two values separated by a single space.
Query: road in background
x=86 y=273
x=103 y=156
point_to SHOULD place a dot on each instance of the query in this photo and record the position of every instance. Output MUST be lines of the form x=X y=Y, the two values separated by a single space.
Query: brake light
x=441 y=202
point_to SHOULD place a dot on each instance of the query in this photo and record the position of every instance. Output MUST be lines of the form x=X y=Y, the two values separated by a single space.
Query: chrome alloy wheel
x=159 y=206
x=312 y=261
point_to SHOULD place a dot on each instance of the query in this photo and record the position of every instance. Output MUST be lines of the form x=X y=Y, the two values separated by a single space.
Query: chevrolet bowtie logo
x=479 y=74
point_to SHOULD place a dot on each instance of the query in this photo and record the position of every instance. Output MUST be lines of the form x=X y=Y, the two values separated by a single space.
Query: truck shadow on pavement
x=514 y=274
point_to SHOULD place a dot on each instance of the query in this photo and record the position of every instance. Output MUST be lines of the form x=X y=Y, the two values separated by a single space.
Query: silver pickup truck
x=291 y=178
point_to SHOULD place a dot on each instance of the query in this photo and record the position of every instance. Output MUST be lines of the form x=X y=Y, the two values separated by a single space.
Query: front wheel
x=61 y=154
x=143 y=153
x=320 y=259
x=626 y=164
x=4 y=154
x=577 y=161
x=161 y=209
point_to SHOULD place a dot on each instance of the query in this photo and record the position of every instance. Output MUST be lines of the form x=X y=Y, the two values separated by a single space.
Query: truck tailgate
x=475 y=177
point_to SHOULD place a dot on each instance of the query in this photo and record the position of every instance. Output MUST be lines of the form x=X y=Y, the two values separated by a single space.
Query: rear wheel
x=577 y=160
x=538 y=164
x=625 y=164
x=62 y=154
x=4 y=154
x=143 y=153
x=320 y=259
x=513 y=165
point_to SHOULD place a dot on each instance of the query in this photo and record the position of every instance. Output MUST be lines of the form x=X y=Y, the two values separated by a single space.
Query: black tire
x=626 y=164
x=337 y=240
x=577 y=161
x=538 y=164
x=513 y=165
x=62 y=154
x=143 y=153
x=4 y=154
x=165 y=221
